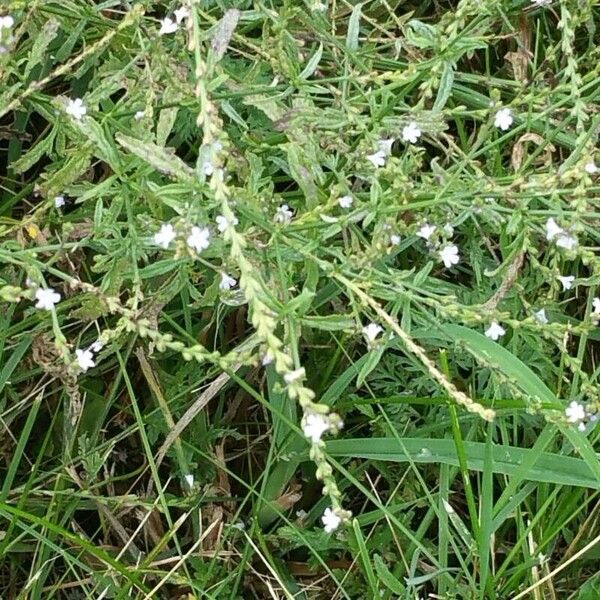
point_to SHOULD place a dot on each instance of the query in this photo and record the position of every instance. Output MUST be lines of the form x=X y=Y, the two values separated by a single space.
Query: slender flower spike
x=314 y=426
x=385 y=146
x=6 y=22
x=411 y=133
x=331 y=521
x=426 y=231
x=449 y=255
x=85 y=359
x=371 y=331
x=345 y=201
x=198 y=239
x=596 y=303
x=575 y=412
x=227 y=282
x=553 y=229
x=377 y=159
x=284 y=214
x=540 y=316
x=183 y=12
x=223 y=224
x=567 y=281
x=504 y=119
x=46 y=298
x=76 y=108
x=591 y=168
x=495 y=331
x=167 y=26
x=59 y=201
x=165 y=235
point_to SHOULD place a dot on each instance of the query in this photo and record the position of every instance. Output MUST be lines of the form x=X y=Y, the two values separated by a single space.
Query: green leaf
x=43 y=39
x=445 y=87
x=354 y=28
x=313 y=63
x=386 y=576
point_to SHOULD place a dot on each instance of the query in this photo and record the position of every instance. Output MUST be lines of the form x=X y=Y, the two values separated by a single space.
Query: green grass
x=180 y=465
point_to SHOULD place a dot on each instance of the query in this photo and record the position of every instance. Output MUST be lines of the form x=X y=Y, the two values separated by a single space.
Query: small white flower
x=189 y=480
x=488 y=199
x=567 y=281
x=59 y=201
x=575 y=412
x=165 y=235
x=198 y=239
x=540 y=316
x=448 y=229
x=553 y=229
x=267 y=358
x=294 y=376
x=345 y=201
x=371 y=331
x=284 y=214
x=331 y=521
x=97 y=346
x=449 y=255
x=208 y=168
x=85 y=359
x=223 y=223
x=76 y=108
x=394 y=239
x=6 y=22
x=596 y=304
x=139 y=115
x=591 y=168
x=567 y=241
x=504 y=119
x=377 y=159
x=581 y=426
x=385 y=145
x=314 y=426
x=167 y=26
x=426 y=231
x=411 y=133
x=227 y=282
x=495 y=331
x=183 y=12
x=541 y=2
x=46 y=298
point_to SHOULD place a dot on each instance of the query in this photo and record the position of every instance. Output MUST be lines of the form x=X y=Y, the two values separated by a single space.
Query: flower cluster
x=580 y=415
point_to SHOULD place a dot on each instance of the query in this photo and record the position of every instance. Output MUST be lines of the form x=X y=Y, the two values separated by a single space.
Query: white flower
x=223 y=223
x=198 y=239
x=377 y=159
x=167 y=26
x=46 y=298
x=394 y=239
x=504 y=119
x=6 y=22
x=76 y=108
x=345 y=201
x=139 y=115
x=591 y=168
x=294 y=376
x=331 y=521
x=495 y=331
x=411 y=133
x=553 y=229
x=567 y=241
x=596 y=303
x=59 y=201
x=426 y=231
x=567 y=281
x=314 y=426
x=85 y=359
x=575 y=412
x=448 y=229
x=189 y=479
x=208 y=168
x=541 y=2
x=385 y=145
x=449 y=255
x=267 y=358
x=183 y=12
x=284 y=214
x=371 y=331
x=227 y=282
x=97 y=346
x=540 y=316
x=165 y=235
